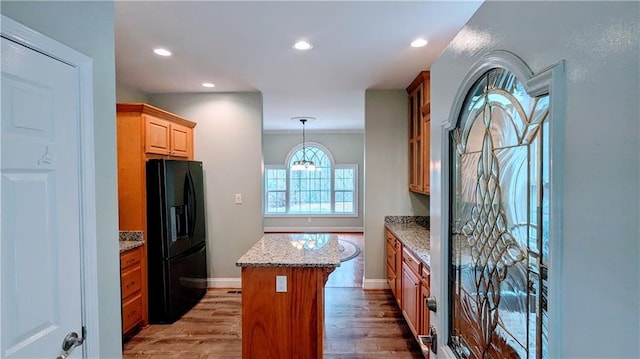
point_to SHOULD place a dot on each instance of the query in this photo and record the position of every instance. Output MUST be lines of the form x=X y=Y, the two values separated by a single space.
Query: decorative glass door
x=499 y=221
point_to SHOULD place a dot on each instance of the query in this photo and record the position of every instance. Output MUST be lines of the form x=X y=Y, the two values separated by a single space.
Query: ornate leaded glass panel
x=499 y=221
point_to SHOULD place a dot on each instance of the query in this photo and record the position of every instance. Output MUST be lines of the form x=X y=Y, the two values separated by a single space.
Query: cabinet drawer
x=391 y=256
x=411 y=261
x=131 y=282
x=390 y=238
x=426 y=276
x=130 y=258
x=131 y=313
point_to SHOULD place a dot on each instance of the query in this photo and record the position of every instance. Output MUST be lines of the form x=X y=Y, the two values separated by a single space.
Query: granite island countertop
x=413 y=232
x=293 y=250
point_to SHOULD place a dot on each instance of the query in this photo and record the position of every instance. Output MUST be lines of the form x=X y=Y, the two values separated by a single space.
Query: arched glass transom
x=311 y=153
x=499 y=221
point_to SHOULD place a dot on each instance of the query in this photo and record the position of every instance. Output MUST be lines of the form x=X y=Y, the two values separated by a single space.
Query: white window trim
x=356 y=194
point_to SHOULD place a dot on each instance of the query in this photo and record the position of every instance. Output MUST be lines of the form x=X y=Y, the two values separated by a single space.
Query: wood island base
x=287 y=324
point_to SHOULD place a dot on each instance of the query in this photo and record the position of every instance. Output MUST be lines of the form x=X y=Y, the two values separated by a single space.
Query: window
x=328 y=190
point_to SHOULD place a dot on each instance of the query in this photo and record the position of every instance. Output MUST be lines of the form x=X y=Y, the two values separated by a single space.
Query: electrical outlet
x=281 y=283
x=238 y=198
x=309 y=219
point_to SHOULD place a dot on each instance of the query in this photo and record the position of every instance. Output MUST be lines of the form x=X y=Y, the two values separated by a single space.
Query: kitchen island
x=283 y=278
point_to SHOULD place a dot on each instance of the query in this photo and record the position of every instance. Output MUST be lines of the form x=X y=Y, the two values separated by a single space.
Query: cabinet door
x=180 y=140
x=416 y=144
x=426 y=141
x=157 y=139
x=425 y=291
x=391 y=268
x=391 y=280
x=398 y=282
x=410 y=297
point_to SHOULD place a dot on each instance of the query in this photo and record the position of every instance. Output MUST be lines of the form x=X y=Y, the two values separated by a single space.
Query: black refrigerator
x=176 y=246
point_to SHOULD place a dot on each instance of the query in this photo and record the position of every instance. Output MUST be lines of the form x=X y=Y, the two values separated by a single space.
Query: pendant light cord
x=304 y=150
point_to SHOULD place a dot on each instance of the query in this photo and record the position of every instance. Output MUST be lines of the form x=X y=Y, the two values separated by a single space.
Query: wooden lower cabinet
x=410 y=281
x=394 y=266
x=394 y=273
x=131 y=288
x=425 y=292
x=411 y=285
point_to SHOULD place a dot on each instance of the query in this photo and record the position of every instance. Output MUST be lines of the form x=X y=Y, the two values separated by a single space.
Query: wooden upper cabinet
x=145 y=132
x=181 y=138
x=157 y=135
x=166 y=138
x=419 y=121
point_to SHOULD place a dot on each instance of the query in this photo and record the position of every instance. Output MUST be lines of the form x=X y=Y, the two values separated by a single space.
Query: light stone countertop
x=293 y=250
x=128 y=245
x=415 y=237
x=129 y=240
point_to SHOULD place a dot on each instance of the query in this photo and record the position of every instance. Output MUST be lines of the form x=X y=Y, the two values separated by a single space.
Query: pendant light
x=303 y=165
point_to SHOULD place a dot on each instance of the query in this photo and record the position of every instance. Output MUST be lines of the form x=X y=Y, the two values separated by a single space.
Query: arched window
x=329 y=189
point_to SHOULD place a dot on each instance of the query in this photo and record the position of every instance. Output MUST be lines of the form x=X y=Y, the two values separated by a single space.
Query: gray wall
x=598 y=309
x=386 y=174
x=128 y=94
x=88 y=28
x=228 y=140
x=346 y=148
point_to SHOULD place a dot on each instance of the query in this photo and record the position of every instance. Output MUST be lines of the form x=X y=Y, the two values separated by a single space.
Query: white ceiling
x=247 y=46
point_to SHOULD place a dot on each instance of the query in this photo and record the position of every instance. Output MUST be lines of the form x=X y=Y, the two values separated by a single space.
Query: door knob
x=431 y=304
x=70 y=342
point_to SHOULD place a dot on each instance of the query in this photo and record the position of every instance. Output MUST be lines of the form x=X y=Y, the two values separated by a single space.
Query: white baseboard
x=224 y=283
x=375 y=284
x=313 y=229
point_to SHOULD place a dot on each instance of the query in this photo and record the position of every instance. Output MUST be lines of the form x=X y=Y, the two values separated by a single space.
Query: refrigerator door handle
x=191 y=204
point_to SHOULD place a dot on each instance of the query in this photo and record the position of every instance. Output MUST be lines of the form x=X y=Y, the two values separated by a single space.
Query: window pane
x=344 y=187
x=275 y=187
x=276 y=202
x=311 y=190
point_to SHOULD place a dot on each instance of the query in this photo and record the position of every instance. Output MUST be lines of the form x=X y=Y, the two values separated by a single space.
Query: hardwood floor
x=350 y=274
x=358 y=324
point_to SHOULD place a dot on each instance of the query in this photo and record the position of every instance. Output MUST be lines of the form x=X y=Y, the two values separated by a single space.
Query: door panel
x=180 y=140
x=499 y=226
x=40 y=252
x=157 y=136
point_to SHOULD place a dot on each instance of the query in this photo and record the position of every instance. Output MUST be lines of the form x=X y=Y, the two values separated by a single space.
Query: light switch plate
x=238 y=198
x=281 y=283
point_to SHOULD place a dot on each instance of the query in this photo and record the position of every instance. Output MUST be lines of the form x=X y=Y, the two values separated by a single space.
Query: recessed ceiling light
x=302 y=45
x=162 y=52
x=419 y=43
x=208 y=84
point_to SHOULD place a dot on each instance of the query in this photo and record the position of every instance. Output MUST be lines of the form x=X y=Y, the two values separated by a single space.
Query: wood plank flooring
x=349 y=274
x=358 y=324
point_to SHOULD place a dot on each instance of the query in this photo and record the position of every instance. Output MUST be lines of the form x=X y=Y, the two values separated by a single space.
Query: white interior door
x=41 y=204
